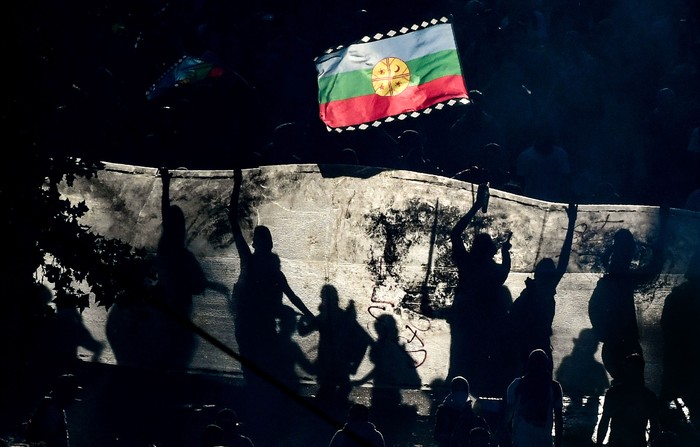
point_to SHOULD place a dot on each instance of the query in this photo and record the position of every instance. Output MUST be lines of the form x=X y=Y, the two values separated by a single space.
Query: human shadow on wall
x=393 y=371
x=257 y=307
x=532 y=313
x=57 y=337
x=681 y=342
x=140 y=333
x=478 y=318
x=287 y=363
x=611 y=308
x=256 y=301
x=583 y=379
x=48 y=335
x=289 y=358
x=342 y=345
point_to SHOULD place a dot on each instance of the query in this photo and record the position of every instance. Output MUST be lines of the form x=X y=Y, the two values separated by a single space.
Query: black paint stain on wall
x=396 y=231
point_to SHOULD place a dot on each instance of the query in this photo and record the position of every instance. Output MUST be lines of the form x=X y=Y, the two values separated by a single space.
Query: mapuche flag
x=412 y=70
x=187 y=70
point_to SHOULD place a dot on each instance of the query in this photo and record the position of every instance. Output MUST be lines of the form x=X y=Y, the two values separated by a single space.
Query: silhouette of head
x=587 y=341
x=545 y=269
x=287 y=321
x=176 y=224
x=227 y=419
x=492 y=156
x=329 y=298
x=693 y=272
x=410 y=142
x=605 y=193
x=287 y=136
x=544 y=139
x=537 y=363
x=483 y=246
x=459 y=384
x=358 y=413
x=262 y=239
x=623 y=250
x=476 y=101
x=176 y=216
x=665 y=97
x=212 y=436
x=348 y=156
x=66 y=389
x=385 y=325
x=479 y=437
x=633 y=368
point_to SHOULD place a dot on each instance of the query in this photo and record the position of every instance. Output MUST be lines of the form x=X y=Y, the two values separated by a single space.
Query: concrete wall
x=368 y=232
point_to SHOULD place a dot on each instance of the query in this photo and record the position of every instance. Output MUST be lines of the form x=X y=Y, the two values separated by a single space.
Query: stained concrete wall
x=378 y=236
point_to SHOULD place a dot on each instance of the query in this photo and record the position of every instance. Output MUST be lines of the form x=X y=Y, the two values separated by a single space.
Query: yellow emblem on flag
x=390 y=76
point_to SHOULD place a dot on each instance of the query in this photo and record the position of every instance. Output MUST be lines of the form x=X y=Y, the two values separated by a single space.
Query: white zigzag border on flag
x=401 y=117
x=391 y=33
x=152 y=88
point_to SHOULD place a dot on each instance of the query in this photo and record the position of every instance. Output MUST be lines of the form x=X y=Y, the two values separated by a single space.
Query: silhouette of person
x=227 y=419
x=681 y=340
x=180 y=276
x=544 y=169
x=346 y=156
x=605 y=193
x=411 y=153
x=48 y=423
x=667 y=144
x=629 y=407
x=470 y=133
x=141 y=333
x=692 y=202
x=212 y=436
x=70 y=325
x=257 y=295
x=288 y=355
x=357 y=431
x=455 y=416
x=56 y=334
x=491 y=167
x=532 y=313
x=478 y=313
x=393 y=371
x=583 y=379
x=480 y=437
x=534 y=405
x=690 y=167
x=611 y=308
x=287 y=145
x=342 y=345
x=579 y=373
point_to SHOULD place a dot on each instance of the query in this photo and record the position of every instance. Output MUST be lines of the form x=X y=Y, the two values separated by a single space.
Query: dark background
x=589 y=72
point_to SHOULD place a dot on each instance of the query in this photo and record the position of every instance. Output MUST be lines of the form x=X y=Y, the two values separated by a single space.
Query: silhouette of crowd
x=500 y=349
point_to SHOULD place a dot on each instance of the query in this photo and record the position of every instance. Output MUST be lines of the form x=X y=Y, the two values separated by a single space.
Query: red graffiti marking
x=426 y=321
x=371 y=308
x=414 y=337
x=423 y=353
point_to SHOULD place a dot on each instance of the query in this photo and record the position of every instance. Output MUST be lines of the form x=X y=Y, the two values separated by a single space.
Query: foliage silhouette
x=51 y=246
